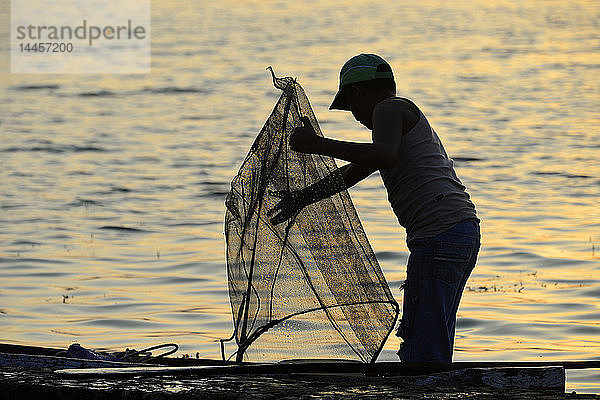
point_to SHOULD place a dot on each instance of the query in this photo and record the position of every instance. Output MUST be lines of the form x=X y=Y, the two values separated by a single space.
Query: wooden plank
x=546 y=378
x=391 y=368
x=344 y=367
x=21 y=349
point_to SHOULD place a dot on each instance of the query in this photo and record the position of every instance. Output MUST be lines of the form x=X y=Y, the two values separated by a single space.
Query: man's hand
x=304 y=139
x=289 y=206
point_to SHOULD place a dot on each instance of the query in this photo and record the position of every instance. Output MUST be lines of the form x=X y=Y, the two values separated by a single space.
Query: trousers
x=437 y=271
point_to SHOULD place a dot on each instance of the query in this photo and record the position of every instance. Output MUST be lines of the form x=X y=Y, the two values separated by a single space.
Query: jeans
x=437 y=271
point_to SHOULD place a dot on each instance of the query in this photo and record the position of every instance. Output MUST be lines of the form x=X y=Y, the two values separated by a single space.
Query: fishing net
x=310 y=287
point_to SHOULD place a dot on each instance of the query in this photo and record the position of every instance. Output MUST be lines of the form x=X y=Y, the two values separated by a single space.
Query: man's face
x=357 y=100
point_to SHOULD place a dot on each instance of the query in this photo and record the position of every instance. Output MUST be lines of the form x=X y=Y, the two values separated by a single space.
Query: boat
x=25 y=369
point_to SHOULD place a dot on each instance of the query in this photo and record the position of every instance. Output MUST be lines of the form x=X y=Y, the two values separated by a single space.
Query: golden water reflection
x=510 y=86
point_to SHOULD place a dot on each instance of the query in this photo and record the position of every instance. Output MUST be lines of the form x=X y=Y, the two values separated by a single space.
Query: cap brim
x=338 y=102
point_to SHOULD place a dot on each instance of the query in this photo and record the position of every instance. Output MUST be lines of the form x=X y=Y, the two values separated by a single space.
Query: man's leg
x=463 y=281
x=437 y=271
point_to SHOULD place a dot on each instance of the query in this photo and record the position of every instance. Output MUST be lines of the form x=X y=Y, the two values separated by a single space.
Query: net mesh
x=310 y=287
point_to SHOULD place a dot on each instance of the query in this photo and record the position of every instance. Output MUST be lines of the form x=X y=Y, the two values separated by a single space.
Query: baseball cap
x=360 y=68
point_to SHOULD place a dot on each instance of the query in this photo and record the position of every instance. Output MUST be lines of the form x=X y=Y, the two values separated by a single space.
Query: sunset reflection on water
x=511 y=87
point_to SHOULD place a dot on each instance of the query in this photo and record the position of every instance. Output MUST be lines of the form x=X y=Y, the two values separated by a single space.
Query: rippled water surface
x=112 y=186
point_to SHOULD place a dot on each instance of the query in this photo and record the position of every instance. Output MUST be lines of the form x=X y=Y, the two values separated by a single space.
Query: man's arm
x=365 y=158
x=292 y=203
x=380 y=154
x=354 y=173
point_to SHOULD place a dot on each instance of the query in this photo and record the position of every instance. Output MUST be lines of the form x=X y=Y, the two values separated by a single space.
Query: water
x=112 y=186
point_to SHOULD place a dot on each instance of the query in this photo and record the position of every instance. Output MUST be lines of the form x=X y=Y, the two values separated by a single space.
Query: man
x=423 y=189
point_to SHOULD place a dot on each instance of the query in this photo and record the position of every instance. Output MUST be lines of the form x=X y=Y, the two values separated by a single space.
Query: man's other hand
x=289 y=205
x=304 y=139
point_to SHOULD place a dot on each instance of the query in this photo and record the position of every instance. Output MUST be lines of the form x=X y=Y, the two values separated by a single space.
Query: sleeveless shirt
x=423 y=189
